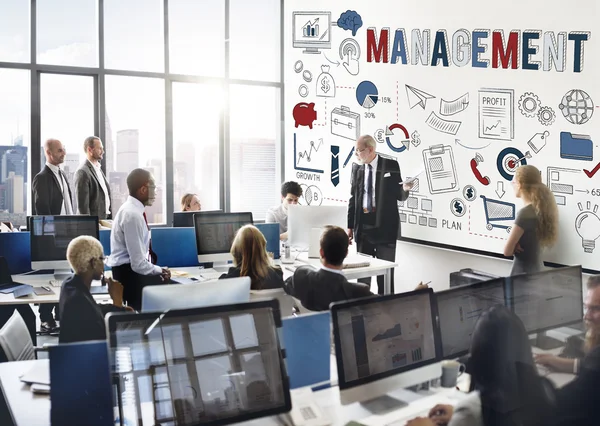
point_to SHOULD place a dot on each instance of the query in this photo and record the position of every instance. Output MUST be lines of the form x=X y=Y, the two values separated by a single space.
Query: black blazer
x=578 y=401
x=388 y=191
x=271 y=281
x=47 y=193
x=90 y=196
x=317 y=289
x=81 y=318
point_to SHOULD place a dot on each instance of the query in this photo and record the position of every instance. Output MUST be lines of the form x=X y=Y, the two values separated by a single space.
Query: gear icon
x=546 y=115
x=529 y=104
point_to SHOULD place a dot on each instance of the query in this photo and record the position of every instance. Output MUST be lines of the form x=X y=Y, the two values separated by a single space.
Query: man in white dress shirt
x=91 y=186
x=51 y=196
x=131 y=258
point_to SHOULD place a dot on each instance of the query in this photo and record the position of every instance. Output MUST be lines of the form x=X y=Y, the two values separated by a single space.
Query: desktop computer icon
x=311 y=31
x=385 y=343
x=50 y=236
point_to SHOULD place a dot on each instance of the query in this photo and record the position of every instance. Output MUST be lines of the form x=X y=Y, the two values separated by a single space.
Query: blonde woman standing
x=536 y=225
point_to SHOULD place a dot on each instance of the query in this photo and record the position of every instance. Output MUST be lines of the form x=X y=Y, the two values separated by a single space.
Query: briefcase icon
x=345 y=123
x=576 y=147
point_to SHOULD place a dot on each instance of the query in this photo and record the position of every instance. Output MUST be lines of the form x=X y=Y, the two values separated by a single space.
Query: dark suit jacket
x=81 y=318
x=47 y=193
x=578 y=400
x=271 y=281
x=90 y=196
x=317 y=289
x=388 y=191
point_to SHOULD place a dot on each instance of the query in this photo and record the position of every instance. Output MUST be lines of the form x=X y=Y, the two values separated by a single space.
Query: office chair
x=15 y=341
x=286 y=302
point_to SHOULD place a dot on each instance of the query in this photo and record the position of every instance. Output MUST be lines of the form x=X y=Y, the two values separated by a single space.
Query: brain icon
x=350 y=21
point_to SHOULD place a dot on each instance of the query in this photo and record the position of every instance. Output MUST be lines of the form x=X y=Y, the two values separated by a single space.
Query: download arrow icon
x=500 y=189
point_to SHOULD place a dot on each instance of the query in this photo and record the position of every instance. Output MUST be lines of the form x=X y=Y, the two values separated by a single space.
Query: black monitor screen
x=215 y=231
x=460 y=308
x=548 y=299
x=50 y=235
x=186 y=219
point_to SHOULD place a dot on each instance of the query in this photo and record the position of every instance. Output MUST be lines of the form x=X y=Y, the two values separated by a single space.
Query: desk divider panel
x=16 y=248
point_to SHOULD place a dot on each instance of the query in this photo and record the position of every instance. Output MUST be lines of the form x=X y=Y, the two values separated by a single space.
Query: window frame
x=99 y=73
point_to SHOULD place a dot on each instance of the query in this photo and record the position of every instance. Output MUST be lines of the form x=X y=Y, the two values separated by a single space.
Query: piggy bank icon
x=305 y=114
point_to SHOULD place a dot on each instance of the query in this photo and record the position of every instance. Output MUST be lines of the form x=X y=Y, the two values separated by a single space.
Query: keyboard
x=418 y=408
x=356 y=265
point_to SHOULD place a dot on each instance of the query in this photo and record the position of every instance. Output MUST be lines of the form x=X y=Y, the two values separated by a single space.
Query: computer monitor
x=302 y=219
x=186 y=219
x=548 y=300
x=311 y=30
x=215 y=365
x=50 y=236
x=385 y=343
x=215 y=233
x=158 y=298
x=459 y=308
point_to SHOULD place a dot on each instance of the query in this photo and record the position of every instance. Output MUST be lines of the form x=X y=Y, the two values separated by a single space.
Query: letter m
x=378 y=49
x=510 y=54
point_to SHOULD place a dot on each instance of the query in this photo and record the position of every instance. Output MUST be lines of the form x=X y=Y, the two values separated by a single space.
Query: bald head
x=365 y=149
x=55 y=151
x=141 y=185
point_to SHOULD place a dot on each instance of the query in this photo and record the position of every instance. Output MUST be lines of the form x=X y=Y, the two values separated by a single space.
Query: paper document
x=413 y=177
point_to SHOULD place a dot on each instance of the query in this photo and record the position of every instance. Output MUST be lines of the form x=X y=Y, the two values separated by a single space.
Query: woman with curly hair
x=536 y=225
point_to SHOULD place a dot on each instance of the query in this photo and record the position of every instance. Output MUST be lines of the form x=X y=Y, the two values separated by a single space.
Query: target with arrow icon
x=509 y=160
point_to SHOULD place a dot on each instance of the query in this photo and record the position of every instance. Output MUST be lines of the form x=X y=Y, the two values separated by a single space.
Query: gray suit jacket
x=90 y=196
x=317 y=289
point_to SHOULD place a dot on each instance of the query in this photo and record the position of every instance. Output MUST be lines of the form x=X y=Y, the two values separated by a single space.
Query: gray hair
x=81 y=251
x=369 y=141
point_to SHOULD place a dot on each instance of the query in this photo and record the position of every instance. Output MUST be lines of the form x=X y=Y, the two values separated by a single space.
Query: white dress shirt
x=67 y=205
x=366 y=187
x=100 y=176
x=130 y=239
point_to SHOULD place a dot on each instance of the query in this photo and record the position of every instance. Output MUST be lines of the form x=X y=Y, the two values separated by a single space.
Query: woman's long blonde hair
x=186 y=201
x=542 y=201
x=249 y=251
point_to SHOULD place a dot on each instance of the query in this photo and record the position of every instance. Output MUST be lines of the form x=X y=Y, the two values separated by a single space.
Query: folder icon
x=576 y=147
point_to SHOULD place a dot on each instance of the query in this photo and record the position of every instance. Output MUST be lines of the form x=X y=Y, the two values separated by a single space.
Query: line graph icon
x=308 y=154
x=298 y=156
x=496 y=114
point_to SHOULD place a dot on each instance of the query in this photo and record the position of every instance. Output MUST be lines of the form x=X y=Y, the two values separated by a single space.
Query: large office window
x=187 y=89
x=254 y=138
x=14 y=145
x=135 y=109
x=67 y=114
x=196 y=122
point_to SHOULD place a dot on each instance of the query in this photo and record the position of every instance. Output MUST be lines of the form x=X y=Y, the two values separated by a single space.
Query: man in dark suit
x=51 y=196
x=317 y=289
x=376 y=188
x=91 y=186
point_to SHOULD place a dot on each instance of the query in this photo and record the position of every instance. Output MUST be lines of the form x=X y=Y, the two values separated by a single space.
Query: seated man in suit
x=317 y=289
x=82 y=318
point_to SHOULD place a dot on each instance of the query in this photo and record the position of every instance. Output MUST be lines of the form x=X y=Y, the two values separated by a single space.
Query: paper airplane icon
x=417 y=97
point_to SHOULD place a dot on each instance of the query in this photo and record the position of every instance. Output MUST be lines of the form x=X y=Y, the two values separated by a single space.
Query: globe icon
x=577 y=106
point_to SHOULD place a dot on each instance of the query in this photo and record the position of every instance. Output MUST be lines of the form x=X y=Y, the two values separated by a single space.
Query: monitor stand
x=545 y=342
x=312 y=50
x=222 y=266
x=383 y=404
x=62 y=274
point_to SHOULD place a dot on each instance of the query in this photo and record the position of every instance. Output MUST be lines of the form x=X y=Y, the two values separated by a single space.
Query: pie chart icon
x=367 y=94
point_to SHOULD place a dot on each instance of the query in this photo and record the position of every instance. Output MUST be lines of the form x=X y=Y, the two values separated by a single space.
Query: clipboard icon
x=440 y=169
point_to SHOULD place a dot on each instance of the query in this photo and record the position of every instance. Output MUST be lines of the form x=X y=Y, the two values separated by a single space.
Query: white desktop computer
x=215 y=232
x=50 y=237
x=385 y=343
x=304 y=223
x=312 y=31
x=198 y=295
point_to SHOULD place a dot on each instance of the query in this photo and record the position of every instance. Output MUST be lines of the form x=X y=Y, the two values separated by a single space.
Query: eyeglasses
x=358 y=151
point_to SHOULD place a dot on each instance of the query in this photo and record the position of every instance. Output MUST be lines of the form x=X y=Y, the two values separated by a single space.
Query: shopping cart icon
x=496 y=210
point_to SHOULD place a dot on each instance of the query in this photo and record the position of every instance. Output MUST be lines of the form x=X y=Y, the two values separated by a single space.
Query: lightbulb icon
x=587 y=225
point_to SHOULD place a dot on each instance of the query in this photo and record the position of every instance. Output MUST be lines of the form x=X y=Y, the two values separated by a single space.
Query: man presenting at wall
x=131 y=257
x=91 y=186
x=376 y=187
x=51 y=196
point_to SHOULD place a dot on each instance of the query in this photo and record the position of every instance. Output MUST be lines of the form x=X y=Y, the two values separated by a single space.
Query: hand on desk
x=439 y=415
x=555 y=363
x=165 y=275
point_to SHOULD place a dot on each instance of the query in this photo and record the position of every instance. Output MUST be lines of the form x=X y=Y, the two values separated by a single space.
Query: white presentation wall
x=461 y=93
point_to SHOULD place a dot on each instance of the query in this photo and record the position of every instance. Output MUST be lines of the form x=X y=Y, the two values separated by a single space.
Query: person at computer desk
x=579 y=399
x=316 y=289
x=250 y=259
x=536 y=225
x=81 y=317
x=190 y=203
x=506 y=388
x=290 y=193
x=376 y=188
x=131 y=258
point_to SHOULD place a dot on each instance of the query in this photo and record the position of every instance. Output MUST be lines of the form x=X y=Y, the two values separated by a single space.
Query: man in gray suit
x=318 y=288
x=91 y=186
